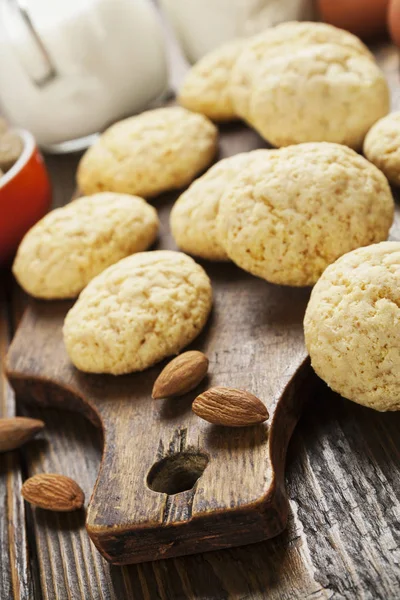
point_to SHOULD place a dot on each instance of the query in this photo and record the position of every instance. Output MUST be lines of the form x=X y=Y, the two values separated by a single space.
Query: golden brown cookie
x=352 y=326
x=286 y=38
x=68 y=247
x=157 y=151
x=382 y=146
x=11 y=147
x=194 y=214
x=320 y=93
x=206 y=86
x=287 y=218
x=137 y=312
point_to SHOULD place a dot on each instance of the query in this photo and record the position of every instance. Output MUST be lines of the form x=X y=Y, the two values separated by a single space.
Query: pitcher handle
x=37 y=63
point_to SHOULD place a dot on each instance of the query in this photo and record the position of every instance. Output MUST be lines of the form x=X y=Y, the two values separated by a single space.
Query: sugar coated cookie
x=382 y=146
x=156 y=151
x=73 y=244
x=286 y=38
x=193 y=216
x=206 y=86
x=287 y=218
x=137 y=312
x=320 y=93
x=352 y=326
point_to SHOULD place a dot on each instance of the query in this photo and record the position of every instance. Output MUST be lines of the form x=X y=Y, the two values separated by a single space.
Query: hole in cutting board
x=177 y=473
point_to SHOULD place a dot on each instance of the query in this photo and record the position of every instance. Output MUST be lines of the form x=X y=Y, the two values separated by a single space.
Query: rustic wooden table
x=343 y=479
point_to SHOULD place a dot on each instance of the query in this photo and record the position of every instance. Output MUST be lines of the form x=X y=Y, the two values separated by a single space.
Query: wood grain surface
x=342 y=539
x=15 y=574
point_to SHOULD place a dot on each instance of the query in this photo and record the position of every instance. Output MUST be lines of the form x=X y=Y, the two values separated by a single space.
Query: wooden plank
x=19 y=568
x=15 y=573
x=69 y=563
x=344 y=481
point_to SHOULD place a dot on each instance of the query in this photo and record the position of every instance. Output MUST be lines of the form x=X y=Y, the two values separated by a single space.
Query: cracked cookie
x=285 y=38
x=156 y=151
x=68 y=247
x=287 y=218
x=319 y=93
x=382 y=146
x=193 y=216
x=137 y=312
x=206 y=86
x=352 y=326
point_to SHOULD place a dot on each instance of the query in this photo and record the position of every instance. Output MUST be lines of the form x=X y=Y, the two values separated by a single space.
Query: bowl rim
x=28 y=149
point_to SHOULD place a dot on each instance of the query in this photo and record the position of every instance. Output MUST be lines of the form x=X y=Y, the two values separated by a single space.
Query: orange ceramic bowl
x=25 y=196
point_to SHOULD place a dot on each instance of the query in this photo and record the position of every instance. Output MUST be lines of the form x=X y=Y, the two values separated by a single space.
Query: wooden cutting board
x=171 y=484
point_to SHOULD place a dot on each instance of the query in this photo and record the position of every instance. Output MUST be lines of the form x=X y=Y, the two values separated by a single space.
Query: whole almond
x=230 y=407
x=16 y=431
x=181 y=375
x=53 y=492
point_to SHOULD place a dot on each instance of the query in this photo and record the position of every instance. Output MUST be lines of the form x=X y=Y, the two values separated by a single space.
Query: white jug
x=69 y=68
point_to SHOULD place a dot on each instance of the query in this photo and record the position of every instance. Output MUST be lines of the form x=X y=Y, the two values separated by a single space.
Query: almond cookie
x=137 y=312
x=320 y=93
x=286 y=38
x=382 y=146
x=68 y=247
x=193 y=216
x=352 y=326
x=287 y=218
x=151 y=153
x=11 y=147
x=206 y=86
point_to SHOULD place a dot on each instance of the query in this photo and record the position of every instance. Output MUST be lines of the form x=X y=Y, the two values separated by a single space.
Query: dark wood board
x=254 y=341
x=342 y=539
x=15 y=576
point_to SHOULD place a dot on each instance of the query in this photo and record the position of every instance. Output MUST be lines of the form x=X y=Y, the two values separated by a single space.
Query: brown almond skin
x=230 y=407
x=181 y=375
x=16 y=431
x=53 y=492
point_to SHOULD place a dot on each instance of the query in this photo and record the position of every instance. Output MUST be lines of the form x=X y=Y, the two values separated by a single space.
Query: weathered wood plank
x=15 y=573
x=70 y=562
x=70 y=566
x=344 y=483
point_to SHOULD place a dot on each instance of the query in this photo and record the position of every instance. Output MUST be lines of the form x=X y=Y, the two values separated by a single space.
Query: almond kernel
x=230 y=407
x=181 y=375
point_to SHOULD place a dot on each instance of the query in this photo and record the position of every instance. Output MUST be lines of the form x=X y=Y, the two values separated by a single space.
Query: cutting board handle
x=166 y=478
